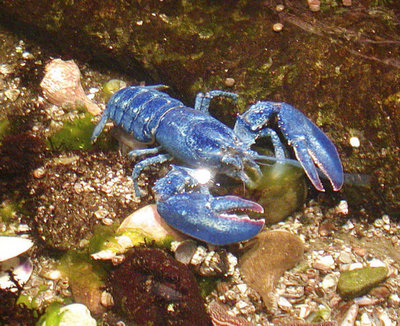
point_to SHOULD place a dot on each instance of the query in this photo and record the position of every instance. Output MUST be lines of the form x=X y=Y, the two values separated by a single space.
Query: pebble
x=279 y=7
x=350 y=316
x=324 y=263
x=12 y=94
x=277 y=27
x=358 y=282
x=229 y=82
x=314 y=5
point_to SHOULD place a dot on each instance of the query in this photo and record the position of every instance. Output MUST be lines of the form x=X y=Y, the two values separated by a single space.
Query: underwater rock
x=150 y=287
x=359 y=281
x=270 y=256
x=74 y=314
x=85 y=279
x=61 y=85
x=66 y=201
x=149 y=221
x=281 y=191
x=110 y=87
x=143 y=226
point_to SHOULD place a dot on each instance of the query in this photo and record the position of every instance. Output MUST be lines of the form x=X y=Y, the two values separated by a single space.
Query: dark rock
x=152 y=288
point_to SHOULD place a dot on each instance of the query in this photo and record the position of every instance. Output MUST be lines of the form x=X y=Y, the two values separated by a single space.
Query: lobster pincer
x=187 y=205
x=311 y=146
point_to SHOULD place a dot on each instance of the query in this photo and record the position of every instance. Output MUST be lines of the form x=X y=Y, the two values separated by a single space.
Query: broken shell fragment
x=61 y=85
x=11 y=247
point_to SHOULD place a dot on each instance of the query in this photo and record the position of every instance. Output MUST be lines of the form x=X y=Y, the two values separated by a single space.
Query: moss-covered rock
x=359 y=281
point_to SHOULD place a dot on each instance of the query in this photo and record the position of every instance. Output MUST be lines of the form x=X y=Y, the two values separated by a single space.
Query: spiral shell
x=61 y=85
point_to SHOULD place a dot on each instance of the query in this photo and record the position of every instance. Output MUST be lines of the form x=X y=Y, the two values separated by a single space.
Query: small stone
x=384 y=318
x=314 y=5
x=381 y=291
x=347 y=3
x=12 y=94
x=277 y=27
x=345 y=258
x=229 y=82
x=284 y=304
x=273 y=253
x=106 y=299
x=324 y=263
x=39 y=172
x=360 y=281
x=386 y=219
x=279 y=7
x=185 y=251
x=329 y=282
x=27 y=56
x=354 y=142
x=350 y=316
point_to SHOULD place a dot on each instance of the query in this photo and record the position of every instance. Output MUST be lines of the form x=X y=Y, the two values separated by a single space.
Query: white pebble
x=355 y=142
x=324 y=263
x=277 y=27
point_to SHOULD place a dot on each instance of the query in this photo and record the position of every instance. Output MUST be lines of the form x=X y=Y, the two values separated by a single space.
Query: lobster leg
x=311 y=146
x=202 y=102
x=161 y=158
x=100 y=126
x=135 y=153
x=188 y=206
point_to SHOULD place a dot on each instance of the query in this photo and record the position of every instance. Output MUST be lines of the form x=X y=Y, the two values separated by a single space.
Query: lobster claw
x=210 y=219
x=311 y=146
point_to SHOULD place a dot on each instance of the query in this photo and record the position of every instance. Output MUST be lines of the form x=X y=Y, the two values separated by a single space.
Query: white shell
x=11 y=247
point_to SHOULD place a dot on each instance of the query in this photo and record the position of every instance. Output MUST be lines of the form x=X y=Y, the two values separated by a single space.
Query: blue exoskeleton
x=198 y=140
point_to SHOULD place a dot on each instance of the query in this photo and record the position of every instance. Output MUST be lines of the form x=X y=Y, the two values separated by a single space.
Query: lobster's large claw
x=213 y=220
x=311 y=146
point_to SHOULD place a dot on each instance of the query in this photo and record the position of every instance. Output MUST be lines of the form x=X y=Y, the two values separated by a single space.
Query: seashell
x=21 y=270
x=185 y=251
x=11 y=247
x=61 y=85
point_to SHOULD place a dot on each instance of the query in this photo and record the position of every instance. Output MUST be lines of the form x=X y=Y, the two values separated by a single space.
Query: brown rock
x=274 y=253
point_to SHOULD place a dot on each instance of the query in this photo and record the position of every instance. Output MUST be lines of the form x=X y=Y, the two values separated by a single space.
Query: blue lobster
x=197 y=139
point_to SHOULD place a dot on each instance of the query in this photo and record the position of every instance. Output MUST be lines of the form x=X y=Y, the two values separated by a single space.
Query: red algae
x=151 y=287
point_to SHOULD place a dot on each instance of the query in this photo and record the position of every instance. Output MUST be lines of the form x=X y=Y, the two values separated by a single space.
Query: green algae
x=76 y=135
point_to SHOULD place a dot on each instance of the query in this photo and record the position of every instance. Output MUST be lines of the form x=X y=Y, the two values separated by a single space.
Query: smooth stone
x=273 y=253
x=360 y=281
